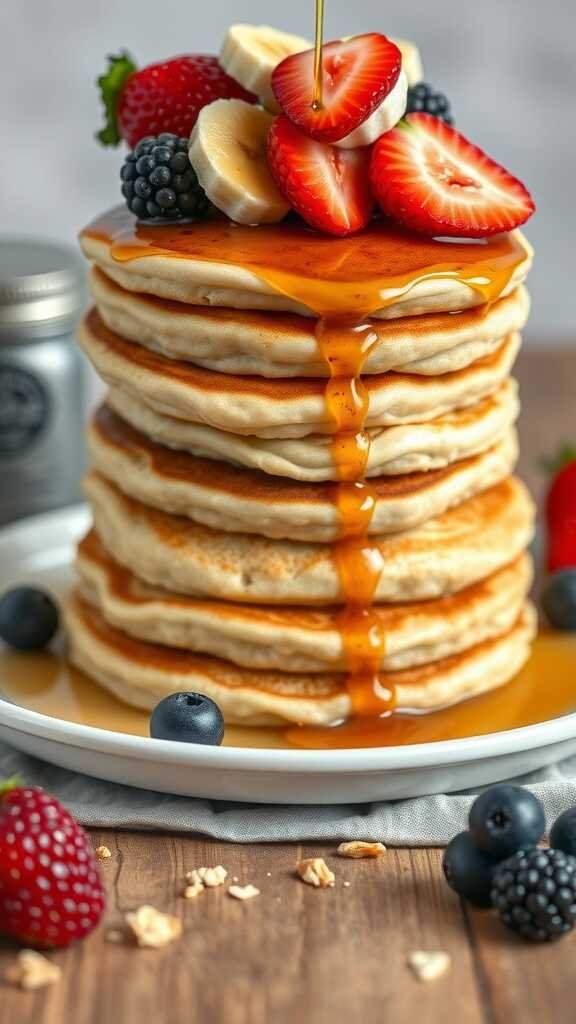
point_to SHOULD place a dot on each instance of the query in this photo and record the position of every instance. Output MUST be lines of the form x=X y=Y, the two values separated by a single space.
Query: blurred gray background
x=508 y=67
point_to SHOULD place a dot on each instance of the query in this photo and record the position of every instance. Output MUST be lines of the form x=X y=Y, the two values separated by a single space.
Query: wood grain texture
x=292 y=954
x=296 y=954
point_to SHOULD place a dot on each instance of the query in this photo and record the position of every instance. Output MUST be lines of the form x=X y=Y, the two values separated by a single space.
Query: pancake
x=301 y=640
x=280 y=408
x=384 y=270
x=393 y=450
x=448 y=553
x=284 y=345
x=142 y=673
x=228 y=497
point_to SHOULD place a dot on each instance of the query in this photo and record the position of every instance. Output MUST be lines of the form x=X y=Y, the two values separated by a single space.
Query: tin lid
x=41 y=288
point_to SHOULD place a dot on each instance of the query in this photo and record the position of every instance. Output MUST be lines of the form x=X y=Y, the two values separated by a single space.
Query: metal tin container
x=42 y=377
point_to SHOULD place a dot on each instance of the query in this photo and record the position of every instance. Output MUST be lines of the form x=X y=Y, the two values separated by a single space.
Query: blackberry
x=534 y=892
x=423 y=99
x=159 y=182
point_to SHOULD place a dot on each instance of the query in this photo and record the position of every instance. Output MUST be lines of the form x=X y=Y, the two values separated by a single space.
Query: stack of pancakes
x=210 y=563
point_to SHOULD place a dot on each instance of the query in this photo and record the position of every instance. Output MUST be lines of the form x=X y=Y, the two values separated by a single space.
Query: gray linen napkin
x=425 y=821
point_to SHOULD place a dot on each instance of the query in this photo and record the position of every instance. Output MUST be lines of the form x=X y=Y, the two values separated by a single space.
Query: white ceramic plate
x=40 y=550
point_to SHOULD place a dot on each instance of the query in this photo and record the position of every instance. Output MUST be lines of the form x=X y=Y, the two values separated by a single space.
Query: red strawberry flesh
x=50 y=888
x=357 y=75
x=166 y=97
x=431 y=179
x=328 y=187
x=561 y=520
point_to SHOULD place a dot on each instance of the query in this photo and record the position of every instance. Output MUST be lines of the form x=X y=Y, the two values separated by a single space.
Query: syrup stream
x=317 y=96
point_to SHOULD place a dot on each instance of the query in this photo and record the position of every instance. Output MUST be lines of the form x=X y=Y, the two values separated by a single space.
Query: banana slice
x=411 y=60
x=251 y=52
x=228 y=152
x=381 y=120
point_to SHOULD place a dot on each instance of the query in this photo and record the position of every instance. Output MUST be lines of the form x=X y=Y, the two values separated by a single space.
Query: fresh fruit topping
x=28 y=618
x=159 y=182
x=165 y=97
x=357 y=74
x=392 y=108
x=50 y=889
x=433 y=181
x=468 y=870
x=534 y=892
x=563 y=832
x=411 y=60
x=561 y=512
x=250 y=53
x=328 y=187
x=423 y=99
x=559 y=599
x=228 y=153
x=506 y=818
x=188 y=718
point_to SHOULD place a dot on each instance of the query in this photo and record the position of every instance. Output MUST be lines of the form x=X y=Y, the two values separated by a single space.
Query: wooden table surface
x=297 y=954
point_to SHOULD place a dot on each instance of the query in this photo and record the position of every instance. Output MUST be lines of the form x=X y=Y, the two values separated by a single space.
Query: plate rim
x=348 y=760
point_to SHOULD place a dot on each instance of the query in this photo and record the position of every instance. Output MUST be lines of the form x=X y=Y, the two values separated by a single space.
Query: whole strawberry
x=561 y=511
x=165 y=97
x=50 y=888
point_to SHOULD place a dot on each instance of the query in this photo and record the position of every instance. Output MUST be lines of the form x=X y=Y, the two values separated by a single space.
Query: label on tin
x=24 y=408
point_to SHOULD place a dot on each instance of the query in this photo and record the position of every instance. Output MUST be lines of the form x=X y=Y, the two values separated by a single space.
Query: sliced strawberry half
x=428 y=177
x=328 y=187
x=357 y=74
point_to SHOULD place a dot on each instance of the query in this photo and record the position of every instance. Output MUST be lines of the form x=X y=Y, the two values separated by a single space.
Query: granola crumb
x=115 y=935
x=32 y=971
x=346 y=885
x=209 y=877
x=358 y=850
x=103 y=853
x=153 y=929
x=428 y=966
x=315 y=871
x=193 y=890
x=243 y=892
x=268 y=874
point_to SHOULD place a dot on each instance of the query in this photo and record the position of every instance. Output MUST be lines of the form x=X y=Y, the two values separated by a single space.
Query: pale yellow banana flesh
x=392 y=108
x=228 y=152
x=250 y=53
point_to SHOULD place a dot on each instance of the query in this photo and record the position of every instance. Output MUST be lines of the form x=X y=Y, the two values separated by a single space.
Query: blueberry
x=468 y=870
x=28 y=618
x=189 y=718
x=505 y=819
x=563 y=834
x=559 y=599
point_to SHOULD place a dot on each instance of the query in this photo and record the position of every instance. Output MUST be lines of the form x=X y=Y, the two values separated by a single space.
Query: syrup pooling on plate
x=343 y=282
x=48 y=684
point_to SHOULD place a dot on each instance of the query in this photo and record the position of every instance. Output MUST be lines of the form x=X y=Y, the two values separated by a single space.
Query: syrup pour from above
x=317 y=96
x=343 y=281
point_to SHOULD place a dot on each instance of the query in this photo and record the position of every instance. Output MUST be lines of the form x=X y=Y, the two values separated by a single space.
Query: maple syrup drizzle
x=317 y=95
x=47 y=683
x=335 y=279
